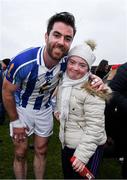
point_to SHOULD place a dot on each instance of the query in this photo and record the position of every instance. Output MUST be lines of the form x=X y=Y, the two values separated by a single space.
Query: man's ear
x=46 y=37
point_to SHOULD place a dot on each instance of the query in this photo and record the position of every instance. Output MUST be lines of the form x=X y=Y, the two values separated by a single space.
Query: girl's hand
x=78 y=165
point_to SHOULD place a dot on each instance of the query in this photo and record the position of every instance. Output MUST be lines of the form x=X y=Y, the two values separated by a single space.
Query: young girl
x=80 y=110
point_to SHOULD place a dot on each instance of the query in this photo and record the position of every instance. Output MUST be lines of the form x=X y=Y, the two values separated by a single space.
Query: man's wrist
x=16 y=123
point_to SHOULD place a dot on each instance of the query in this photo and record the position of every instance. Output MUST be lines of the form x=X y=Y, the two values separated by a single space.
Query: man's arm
x=8 y=91
x=17 y=130
x=97 y=83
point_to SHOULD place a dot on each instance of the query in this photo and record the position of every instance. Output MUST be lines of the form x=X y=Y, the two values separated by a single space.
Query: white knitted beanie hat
x=84 y=51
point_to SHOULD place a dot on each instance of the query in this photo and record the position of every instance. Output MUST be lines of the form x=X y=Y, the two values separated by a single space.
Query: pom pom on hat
x=85 y=51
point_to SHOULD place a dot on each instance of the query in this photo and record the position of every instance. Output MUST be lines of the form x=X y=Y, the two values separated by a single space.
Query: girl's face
x=76 y=67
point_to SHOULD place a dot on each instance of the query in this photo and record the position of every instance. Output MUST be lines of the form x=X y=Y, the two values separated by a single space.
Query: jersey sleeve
x=17 y=71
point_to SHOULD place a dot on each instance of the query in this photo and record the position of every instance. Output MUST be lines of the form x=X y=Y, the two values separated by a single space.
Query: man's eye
x=69 y=39
x=56 y=35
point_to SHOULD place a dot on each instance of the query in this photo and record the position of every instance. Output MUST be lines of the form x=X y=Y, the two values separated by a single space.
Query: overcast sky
x=23 y=25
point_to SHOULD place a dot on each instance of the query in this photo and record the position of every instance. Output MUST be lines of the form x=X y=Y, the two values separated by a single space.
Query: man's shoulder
x=25 y=59
x=27 y=53
x=26 y=56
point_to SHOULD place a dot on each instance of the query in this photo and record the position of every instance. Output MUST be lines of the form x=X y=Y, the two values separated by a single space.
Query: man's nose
x=61 y=40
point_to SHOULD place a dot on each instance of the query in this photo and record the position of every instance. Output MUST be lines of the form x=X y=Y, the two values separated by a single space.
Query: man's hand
x=19 y=134
x=96 y=82
x=57 y=115
x=18 y=131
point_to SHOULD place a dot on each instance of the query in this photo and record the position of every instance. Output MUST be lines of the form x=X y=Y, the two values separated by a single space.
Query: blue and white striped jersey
x=36 y=82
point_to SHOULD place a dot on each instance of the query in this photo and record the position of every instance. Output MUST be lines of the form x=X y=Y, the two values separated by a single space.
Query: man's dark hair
x=64 y=17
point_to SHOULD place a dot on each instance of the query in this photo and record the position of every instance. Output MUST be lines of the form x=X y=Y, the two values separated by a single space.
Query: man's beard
x=55 y=57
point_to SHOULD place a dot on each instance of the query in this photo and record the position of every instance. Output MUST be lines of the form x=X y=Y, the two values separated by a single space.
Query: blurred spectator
x=4 y=64
x=116 y=113
x=110 y=116
x=111 y=73
x=102 y=69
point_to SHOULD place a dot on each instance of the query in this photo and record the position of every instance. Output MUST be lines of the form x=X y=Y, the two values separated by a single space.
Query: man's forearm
x=10 y=105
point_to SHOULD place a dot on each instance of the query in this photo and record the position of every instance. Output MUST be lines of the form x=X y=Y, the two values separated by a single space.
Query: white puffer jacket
x=85 y=128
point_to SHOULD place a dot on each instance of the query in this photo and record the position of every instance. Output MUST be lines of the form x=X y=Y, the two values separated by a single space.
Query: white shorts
x=39 y=122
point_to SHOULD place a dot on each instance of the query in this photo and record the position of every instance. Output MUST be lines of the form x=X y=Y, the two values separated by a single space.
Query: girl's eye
x=83 y=65
x=71 y=62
